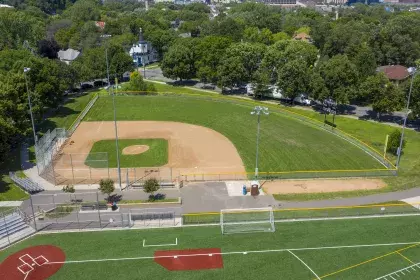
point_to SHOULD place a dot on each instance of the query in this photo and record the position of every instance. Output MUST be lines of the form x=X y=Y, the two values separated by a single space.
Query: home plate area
x=190 y=259
x=33 y=263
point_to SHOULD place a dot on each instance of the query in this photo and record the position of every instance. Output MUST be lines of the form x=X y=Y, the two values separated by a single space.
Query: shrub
x=394 y=142
x=106 y=186
x=151 y=186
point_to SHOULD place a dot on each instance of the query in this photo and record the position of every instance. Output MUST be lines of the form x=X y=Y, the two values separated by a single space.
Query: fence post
x=72 y=171
x=33 y=212
x=99 y=213
x=90 y=173
x=78 y=221
x=122 y=220
x=7 y=228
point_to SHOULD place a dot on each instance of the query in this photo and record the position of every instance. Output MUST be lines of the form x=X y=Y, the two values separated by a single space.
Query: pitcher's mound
x=135 y=149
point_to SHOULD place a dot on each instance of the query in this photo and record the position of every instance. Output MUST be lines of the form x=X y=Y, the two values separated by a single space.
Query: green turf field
x=157 y=155
x=285 y=143
x=335 y=249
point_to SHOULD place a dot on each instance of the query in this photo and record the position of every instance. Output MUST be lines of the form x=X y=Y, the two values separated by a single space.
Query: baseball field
x=286 y=144
x=334 y=249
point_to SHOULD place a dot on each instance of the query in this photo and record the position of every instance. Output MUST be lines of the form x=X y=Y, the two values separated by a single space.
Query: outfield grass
x=285 y=143
x=303 y=239
x=157 y=155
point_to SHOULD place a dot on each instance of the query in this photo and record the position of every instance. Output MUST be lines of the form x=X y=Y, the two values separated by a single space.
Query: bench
x=94 y=206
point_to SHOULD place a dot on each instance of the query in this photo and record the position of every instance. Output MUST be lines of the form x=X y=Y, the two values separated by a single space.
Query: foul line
x=245 y=252
x=368 y=261
x=410 y=261
x=317 y=277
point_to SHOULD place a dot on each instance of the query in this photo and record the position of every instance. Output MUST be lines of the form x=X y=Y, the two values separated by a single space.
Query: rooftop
x=394 y=72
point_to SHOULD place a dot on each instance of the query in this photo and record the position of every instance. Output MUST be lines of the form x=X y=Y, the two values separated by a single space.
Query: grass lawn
x=285 y=143
x=157 y=155
x=66 y=114
x=297 y=251
x=8 y=190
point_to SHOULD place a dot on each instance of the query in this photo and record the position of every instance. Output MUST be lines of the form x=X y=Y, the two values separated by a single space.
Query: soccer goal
x=247 y=220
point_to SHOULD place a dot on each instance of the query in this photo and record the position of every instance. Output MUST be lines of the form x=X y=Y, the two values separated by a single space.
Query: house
x=394 y=73
x=303 y=37
x=100 y=24
x=143 y=52
x=68 y=55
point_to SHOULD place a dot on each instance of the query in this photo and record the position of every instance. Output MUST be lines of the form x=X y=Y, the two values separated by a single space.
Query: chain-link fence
x=93 y=210
x=46 y=149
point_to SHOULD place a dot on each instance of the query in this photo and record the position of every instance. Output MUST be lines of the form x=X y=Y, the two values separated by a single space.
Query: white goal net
x=247 y=220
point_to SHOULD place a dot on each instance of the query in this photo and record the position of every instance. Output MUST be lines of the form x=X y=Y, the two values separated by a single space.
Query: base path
x=38 y=263
x=321 y=185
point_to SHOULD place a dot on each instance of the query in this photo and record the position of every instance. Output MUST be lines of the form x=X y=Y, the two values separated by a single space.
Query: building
x=5 y=6
x=143 y=52
x=394 y=73
x=68 y=55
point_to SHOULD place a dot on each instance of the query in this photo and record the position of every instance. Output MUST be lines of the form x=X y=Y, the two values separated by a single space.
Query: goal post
x=247 y=220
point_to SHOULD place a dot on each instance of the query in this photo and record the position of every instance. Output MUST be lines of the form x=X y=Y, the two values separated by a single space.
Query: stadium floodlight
x=258 y=110
x=247 y=220
x=115 y=112
x=25 y=70
x=412 y=71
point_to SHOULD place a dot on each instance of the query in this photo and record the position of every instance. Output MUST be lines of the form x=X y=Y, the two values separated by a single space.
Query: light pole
x=258 y=110
x=413 y=72
x=115 y=114
x=25 y=70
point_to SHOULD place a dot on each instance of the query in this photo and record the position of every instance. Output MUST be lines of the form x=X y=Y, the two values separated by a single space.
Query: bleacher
x=26 y=184
x=13 y=228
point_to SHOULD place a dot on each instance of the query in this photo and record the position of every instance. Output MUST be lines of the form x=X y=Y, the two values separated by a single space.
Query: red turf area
x=33 y=263
x=190 y=259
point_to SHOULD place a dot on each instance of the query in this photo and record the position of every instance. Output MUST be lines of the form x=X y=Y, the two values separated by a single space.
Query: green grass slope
x=285 y=144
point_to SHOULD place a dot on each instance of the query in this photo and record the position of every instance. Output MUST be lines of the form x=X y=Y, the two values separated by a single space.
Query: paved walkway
x=10 y=203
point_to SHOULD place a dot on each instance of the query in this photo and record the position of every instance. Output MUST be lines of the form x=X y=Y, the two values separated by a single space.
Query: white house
x=143 y=52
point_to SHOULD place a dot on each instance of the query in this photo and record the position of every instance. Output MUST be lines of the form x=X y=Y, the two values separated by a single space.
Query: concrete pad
x=413 y=201
x=234 y=188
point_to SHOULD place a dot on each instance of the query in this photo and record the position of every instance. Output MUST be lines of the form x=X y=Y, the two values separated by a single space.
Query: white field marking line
x=398 y=271
x=307 y=266
x=241 y=252
x=160 y=245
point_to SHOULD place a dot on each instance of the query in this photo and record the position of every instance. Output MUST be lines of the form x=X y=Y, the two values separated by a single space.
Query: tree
x=394 y=142
x=248 y=54
x=415 y=96
x=293 y=78
x=317 y=89
x=209 y=53
x=48 y=48
x=106 y=186
x=231 y=72
x=179 y=61
x=384 y=96
x=261 y=84
x=137 y=83
x=341 y=78
x=280 y=36
x=151 y=186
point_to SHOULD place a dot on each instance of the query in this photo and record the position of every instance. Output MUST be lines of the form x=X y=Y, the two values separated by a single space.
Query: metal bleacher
x=26 y=184
x=13 y=228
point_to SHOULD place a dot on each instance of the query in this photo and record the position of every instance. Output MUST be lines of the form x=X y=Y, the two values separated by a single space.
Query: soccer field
x=286 y=144
x=334 y=249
